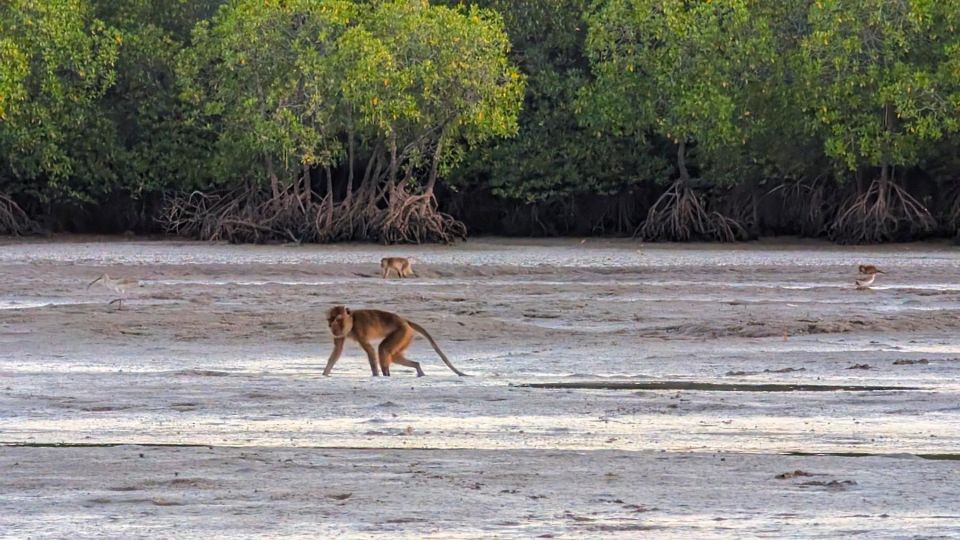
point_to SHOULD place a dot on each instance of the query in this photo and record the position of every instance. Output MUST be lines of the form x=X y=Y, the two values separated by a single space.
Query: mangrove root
x=884 y=212
x=414 y=218
x=13 y=220
x=241 y=215
x=679 y=215
x=807 y=205
x=255 y=215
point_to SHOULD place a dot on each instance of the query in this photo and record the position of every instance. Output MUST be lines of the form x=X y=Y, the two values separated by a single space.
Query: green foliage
x=553 y=155
x=248 y=77
x=56 y=61
x=881 y=80
x=14 y=67
x=152 y=148
x=288 y=81
x=683 y=70
x=528 y=101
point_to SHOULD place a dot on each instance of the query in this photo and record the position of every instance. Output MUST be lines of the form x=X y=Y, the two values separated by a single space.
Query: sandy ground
x=199 y=410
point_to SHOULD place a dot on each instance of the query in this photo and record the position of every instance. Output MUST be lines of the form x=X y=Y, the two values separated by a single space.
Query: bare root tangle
x=616 y=216
x=358 y=217
x=13 y=220
x=952 y=217
x=884 y=212
x=241 y=215
x=254 y=215
x=202 y=215
x=414 y=218
x=806 y=203
x=737 y=204
x=680 y=215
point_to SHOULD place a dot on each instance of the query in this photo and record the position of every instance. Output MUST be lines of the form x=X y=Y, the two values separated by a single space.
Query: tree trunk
x=888 y=121
x=307 y=183
x=371 y=176
x=393 y=158
x=329 y=224
x=432 y=181
x=682 y=160
x=272 y=174
x=350 y=158
x=297 y=183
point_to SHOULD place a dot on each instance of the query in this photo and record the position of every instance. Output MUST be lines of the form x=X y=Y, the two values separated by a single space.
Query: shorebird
x=869 y=269
x=868 y=273
x=864 y=283
x=118 y=285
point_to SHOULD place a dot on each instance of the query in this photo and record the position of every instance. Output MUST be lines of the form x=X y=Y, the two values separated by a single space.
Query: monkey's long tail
x=424 y=333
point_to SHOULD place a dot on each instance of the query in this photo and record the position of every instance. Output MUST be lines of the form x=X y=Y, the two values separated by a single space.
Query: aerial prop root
x=239 y=215
x=884 y=212
x=252 y=215
x=953 y=211
x=414 y=218
x=680 y=215
x=808 y=202
x=13 y=220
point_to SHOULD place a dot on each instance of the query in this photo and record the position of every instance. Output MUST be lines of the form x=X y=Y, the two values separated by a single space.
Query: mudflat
x=615 y=388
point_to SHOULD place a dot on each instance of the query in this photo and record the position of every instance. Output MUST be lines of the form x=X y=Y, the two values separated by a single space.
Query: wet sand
x=675 y=379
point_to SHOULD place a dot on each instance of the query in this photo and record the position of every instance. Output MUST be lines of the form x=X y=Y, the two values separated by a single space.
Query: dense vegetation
x=412 y=121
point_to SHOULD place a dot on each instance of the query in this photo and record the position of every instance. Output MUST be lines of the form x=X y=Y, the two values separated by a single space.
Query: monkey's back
x=375 y=323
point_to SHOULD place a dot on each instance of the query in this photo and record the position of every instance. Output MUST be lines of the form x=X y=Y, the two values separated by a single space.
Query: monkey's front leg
x=372 y=357
x=334 y=356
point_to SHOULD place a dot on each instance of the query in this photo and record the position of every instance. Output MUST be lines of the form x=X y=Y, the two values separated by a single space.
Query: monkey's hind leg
x=393 y=345
x=400 y=359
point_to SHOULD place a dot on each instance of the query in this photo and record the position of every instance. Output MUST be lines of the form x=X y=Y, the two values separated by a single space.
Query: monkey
x=400 y=264
x=869 y=269
x=365 y=325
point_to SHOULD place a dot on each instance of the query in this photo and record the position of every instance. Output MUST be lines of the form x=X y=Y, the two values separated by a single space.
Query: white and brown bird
x=869 y=269
x=118 y=285
x=868 y=273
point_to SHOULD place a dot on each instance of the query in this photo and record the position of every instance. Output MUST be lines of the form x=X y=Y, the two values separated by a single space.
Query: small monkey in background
x=401 y=265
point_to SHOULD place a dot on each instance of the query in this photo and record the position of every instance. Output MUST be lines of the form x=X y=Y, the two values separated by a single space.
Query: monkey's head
x=340 y=321
x=862 y=269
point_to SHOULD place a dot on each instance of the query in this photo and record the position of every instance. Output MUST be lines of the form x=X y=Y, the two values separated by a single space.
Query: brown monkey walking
x=365 y=325
x=401 y=265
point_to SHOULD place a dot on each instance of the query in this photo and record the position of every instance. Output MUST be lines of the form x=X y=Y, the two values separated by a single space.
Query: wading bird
x=868 y=273
x=118 y=285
